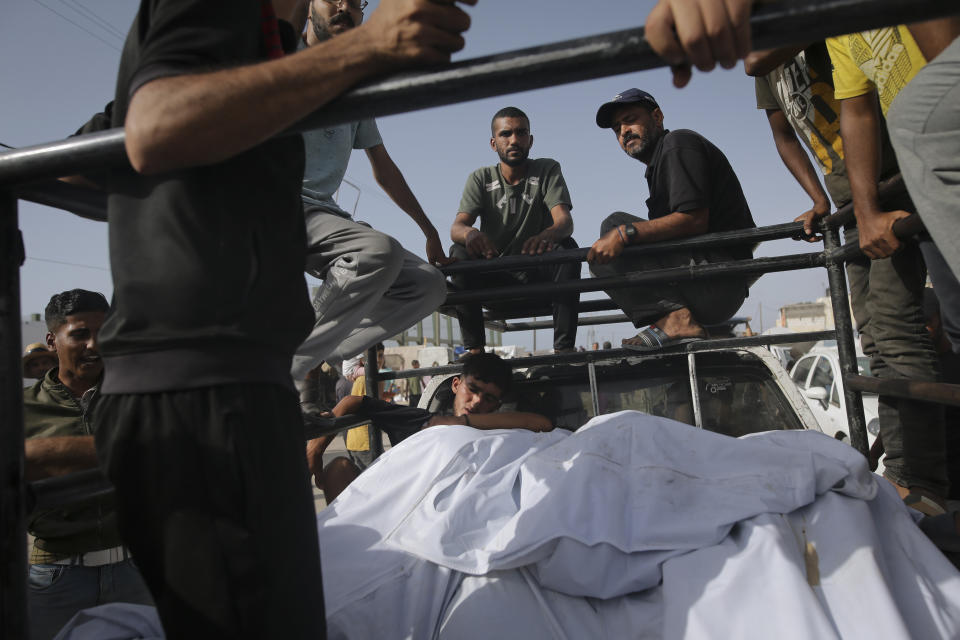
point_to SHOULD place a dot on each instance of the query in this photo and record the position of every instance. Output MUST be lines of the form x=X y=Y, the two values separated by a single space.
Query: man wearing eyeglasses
x=372 y=287
x=198 y=425
x=477 y=394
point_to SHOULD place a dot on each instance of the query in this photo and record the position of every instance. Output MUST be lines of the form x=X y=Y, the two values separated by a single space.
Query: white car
x=817 y=374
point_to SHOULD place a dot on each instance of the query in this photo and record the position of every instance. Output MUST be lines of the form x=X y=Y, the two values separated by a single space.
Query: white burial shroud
x=632 y=527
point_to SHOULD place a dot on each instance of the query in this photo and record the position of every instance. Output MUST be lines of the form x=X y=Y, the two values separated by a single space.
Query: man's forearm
x=57 y=456
x=674 y=225
x=795 y=158
x=510 y=420
x=196 y=119
x=348 y=406
x=562 y=226
x=389 y=177
x=460 y=230
x=860 y=128
x=190 y=120
x=315 y=449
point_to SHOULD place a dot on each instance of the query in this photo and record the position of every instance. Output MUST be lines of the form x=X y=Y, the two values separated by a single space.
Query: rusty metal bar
x=547 y=290
x=846 y=347
x=938 y=392
x=773 y=25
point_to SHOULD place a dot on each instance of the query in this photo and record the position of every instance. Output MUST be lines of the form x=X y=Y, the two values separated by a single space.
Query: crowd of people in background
x=182 y=389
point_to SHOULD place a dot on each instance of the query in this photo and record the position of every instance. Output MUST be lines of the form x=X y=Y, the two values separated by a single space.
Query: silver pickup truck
x=734 y=391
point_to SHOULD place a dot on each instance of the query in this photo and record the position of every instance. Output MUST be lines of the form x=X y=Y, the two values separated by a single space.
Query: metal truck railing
x=25 y=173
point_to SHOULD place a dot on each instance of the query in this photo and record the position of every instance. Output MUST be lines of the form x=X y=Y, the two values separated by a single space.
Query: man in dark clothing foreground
x=199 y=427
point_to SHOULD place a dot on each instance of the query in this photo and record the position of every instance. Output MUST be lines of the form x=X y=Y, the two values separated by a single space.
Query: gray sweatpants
x=372 y=289
x=924 y=125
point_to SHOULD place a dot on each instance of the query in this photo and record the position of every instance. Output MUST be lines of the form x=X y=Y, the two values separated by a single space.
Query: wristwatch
x=629 y=233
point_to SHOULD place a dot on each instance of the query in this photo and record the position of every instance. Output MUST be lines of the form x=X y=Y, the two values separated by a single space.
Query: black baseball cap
x=605 y=113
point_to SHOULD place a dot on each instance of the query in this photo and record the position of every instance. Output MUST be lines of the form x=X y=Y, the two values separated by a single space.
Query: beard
x=648 y=141
x=513 y=161
x=322 y=29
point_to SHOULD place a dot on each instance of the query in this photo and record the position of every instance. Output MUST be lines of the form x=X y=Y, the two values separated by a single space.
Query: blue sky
x=58 y=61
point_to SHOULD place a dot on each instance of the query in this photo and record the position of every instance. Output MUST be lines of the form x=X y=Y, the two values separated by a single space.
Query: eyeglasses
x=356 y=5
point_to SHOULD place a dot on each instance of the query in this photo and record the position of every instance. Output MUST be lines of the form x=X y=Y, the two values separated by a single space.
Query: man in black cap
x=693 y=190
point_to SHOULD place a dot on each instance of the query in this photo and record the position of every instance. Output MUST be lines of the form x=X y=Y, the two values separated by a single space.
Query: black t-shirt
x=207 y=262
x=688 y=172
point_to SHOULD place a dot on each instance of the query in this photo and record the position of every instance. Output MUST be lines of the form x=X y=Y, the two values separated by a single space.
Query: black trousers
x=215 y=504
x=564 y=307
x=711 y=301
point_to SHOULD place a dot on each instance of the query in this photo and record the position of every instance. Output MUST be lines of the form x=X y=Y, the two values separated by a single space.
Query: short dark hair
x=415 y=363
x=488 y=367
x=71 y=302
x=507 y=112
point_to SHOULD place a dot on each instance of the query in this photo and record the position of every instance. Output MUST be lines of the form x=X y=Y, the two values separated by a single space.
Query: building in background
x=32 y=329
x=807 y=316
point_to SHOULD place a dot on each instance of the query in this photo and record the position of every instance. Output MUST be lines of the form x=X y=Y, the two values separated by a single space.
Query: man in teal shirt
x=524 y=208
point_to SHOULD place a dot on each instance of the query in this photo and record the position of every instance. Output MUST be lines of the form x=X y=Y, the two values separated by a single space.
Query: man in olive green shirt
x=77 y=560
x=524 y=208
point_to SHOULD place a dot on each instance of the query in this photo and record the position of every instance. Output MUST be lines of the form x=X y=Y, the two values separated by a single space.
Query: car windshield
x=738 y=395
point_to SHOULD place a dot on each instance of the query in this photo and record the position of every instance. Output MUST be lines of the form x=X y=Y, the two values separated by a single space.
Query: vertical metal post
x=420 y=333
x=695 y=390
x=436 y=329
x=371 y=371
x=845 y=342
x=450 y=329
x=13 y=535
x=594 y=390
